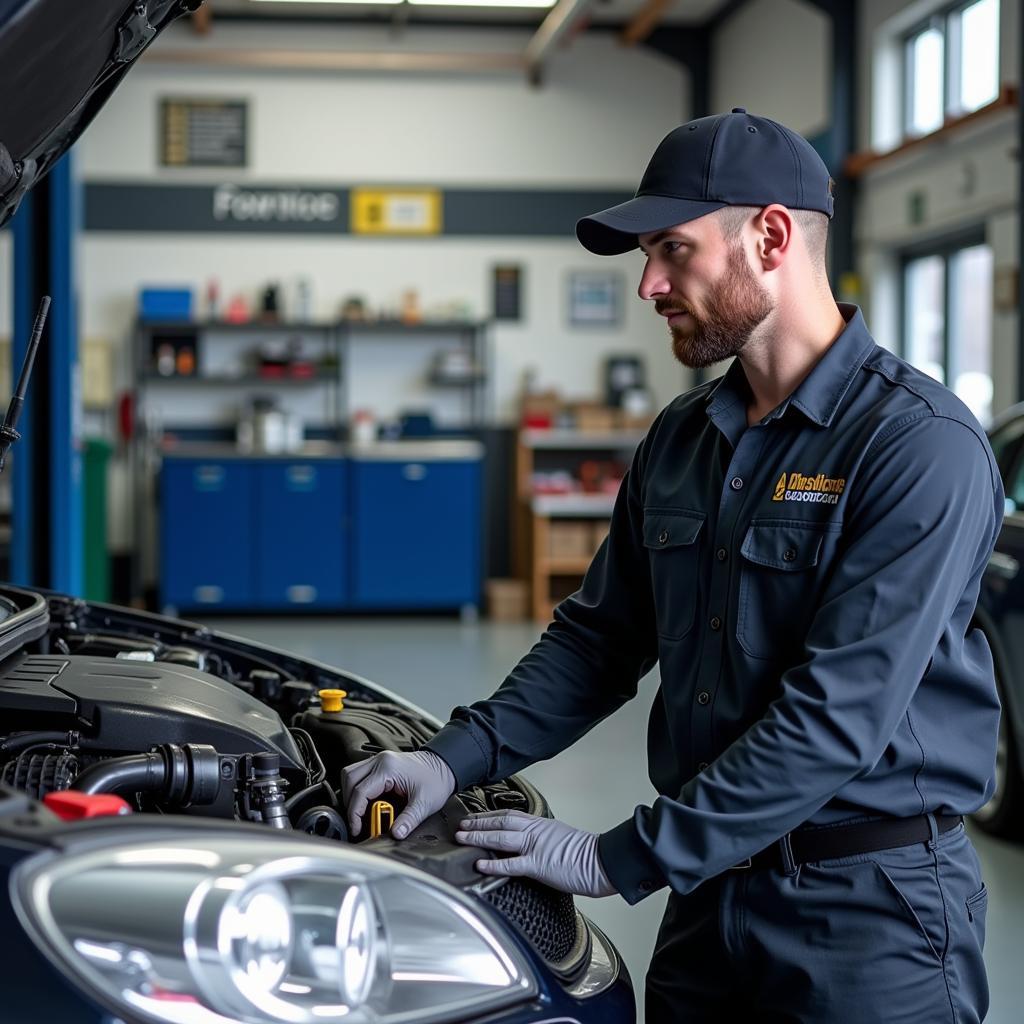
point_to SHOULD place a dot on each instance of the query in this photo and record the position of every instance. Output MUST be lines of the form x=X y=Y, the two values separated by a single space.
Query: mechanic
x=799 y=544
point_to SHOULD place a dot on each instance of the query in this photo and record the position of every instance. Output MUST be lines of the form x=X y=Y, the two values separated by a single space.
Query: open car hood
x=59 y=62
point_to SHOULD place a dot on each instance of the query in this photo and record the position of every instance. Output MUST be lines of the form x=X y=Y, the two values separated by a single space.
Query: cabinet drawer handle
x=209 y=478
x=209 y=594
x=301 y=593
x=301 y=477
x=414 y=471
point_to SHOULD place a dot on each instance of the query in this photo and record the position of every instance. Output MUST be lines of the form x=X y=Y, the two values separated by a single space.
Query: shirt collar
x=818 y=395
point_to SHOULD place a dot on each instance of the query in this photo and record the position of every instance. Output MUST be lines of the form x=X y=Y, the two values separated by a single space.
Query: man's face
x=706 y=289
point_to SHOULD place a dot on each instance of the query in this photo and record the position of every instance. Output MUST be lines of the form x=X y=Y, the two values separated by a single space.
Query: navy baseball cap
x=733 y=159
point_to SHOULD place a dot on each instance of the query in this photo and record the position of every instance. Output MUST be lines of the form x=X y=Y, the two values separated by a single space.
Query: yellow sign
x=396 y=211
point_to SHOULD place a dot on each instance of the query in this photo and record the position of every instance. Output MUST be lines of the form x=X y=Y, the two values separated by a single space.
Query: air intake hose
x=181 y=775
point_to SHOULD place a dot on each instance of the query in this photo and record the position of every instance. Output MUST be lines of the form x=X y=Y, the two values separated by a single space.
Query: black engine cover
x=130 y=706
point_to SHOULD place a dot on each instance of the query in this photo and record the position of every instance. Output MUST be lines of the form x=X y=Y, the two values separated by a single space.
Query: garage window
x=951 y=65
x=947 y=319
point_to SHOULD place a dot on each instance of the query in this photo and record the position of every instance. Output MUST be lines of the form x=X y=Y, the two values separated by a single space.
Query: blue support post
x=47 y=546
x=65 y=461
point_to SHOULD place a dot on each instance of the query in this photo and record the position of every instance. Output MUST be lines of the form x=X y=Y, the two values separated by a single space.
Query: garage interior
x=327 y=367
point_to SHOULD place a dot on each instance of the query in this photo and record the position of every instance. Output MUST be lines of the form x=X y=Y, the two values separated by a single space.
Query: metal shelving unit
x=337 y=338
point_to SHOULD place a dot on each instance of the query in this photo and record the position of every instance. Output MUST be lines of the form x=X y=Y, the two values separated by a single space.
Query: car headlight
x=217 y=929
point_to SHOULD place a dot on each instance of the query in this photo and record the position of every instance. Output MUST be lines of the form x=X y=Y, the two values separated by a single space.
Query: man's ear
x=775 y=234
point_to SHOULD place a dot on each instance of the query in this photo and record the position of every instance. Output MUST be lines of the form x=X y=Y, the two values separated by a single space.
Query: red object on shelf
x=537 y=421
x=70 y=805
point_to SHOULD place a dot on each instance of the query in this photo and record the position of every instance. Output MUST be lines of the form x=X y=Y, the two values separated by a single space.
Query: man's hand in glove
x=422 y=777
x=550 y=851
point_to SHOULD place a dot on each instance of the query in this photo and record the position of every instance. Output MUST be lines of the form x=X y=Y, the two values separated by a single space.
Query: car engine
x=178 y=719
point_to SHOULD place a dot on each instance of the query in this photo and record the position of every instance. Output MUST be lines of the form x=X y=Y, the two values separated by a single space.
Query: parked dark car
x=175 y=846
x=1001 y=615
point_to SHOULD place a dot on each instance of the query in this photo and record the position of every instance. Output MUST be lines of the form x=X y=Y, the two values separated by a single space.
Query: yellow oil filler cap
x=382 y=817
x=332 y=701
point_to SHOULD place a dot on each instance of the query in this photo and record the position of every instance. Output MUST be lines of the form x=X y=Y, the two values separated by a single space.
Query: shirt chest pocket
x=779 y=578
x=671 y=537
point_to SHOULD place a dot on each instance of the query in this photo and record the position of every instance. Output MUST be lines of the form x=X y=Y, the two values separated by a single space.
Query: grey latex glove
x=423 y=778
x=550 y=851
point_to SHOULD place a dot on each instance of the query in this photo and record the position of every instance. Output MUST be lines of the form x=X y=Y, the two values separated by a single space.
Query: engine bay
x=179 y=724
x=179 y=719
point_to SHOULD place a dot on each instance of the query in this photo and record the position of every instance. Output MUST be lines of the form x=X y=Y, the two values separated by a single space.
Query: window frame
x=945 y=247
x=947 y=20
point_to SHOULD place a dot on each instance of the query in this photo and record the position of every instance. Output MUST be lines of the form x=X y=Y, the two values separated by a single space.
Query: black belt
x=824 y=843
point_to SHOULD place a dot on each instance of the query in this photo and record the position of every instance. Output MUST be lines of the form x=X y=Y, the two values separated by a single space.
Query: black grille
x=545 y=917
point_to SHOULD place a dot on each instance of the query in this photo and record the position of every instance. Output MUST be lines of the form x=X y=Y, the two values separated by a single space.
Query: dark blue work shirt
x=807 y=585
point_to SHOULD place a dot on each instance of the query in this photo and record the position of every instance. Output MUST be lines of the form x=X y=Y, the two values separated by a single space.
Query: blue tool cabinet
x=301 y=551
x=379 y=531
x=416 y=527
x=207 y=534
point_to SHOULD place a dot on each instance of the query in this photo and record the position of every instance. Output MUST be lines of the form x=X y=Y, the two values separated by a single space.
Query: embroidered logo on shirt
x=820 y=488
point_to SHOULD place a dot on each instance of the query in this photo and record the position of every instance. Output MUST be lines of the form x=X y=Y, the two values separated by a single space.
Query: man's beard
x=736 y=305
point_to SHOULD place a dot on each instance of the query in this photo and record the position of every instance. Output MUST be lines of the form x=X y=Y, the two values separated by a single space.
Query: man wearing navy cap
x=799 y=544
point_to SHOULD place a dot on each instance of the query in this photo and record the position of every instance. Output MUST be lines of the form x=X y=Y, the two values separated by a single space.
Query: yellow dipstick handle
x=382 y=817
x=332 y=701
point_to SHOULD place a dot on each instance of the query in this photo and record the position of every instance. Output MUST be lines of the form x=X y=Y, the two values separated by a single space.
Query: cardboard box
x=569 y=540
x=506 y=600
x=595 y=418
x=539 y=410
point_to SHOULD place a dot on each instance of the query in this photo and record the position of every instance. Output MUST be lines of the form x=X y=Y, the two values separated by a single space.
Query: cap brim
x=615 y=230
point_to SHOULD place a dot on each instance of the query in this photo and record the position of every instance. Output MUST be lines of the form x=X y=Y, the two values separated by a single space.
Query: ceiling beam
x=560 y=20
x=645 y=22
x=341 y=60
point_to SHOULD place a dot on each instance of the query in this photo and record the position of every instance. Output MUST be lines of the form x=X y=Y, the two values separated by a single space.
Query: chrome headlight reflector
x=206 y=930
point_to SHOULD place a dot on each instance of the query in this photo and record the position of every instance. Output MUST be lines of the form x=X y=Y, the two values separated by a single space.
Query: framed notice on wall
x=595 y=298
x=199 y=132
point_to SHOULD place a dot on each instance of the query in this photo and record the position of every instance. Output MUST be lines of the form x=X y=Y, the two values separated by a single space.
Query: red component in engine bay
x=69 y=805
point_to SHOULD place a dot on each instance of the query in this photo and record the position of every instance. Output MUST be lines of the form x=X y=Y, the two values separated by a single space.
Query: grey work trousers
x=894 y=936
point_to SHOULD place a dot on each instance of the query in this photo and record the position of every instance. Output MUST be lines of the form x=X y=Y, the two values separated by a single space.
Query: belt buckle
x=744 y=865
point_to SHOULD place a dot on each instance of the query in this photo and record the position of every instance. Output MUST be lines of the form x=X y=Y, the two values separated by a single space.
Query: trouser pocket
x=917 y=892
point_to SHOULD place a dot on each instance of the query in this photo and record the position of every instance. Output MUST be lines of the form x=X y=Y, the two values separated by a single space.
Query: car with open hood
x=173 y=833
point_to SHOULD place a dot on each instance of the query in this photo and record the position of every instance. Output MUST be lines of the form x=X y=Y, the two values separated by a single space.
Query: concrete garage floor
x=438 y=663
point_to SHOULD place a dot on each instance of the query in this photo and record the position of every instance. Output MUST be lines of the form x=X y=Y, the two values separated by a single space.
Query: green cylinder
x=94 y=493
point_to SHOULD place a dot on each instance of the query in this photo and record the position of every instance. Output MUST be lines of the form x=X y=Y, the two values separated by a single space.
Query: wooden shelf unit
x=534 y=514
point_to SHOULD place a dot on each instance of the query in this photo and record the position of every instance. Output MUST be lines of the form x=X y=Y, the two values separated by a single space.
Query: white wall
x=593 y=124
x=774 y=58
x=585 y=127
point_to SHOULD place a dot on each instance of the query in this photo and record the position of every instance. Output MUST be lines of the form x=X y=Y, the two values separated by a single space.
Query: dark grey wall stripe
x=311 y=209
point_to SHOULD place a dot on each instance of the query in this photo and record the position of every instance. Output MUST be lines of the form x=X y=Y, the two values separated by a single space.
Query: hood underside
x=59 y=63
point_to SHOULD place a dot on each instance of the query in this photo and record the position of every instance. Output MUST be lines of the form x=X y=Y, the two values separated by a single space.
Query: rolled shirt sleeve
x=918 y=533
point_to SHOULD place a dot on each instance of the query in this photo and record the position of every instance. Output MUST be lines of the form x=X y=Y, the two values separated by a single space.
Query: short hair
x=813 y=226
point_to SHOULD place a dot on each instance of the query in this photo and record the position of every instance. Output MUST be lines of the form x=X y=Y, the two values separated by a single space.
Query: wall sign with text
x=203 y=132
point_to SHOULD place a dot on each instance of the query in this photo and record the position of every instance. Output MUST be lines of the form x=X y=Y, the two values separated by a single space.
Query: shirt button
x=736 y=483
x=703 y=697
x=663 y=536
x=721 y=554
x=788 y=555
x=646 y=886
x=703 y=766
x=716 y=622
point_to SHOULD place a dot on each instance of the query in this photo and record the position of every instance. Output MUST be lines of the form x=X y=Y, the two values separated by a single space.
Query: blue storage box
x=160 y=304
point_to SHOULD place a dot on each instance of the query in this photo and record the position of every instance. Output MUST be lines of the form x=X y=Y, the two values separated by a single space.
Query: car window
x=1006 y=445
x=1013 y=480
